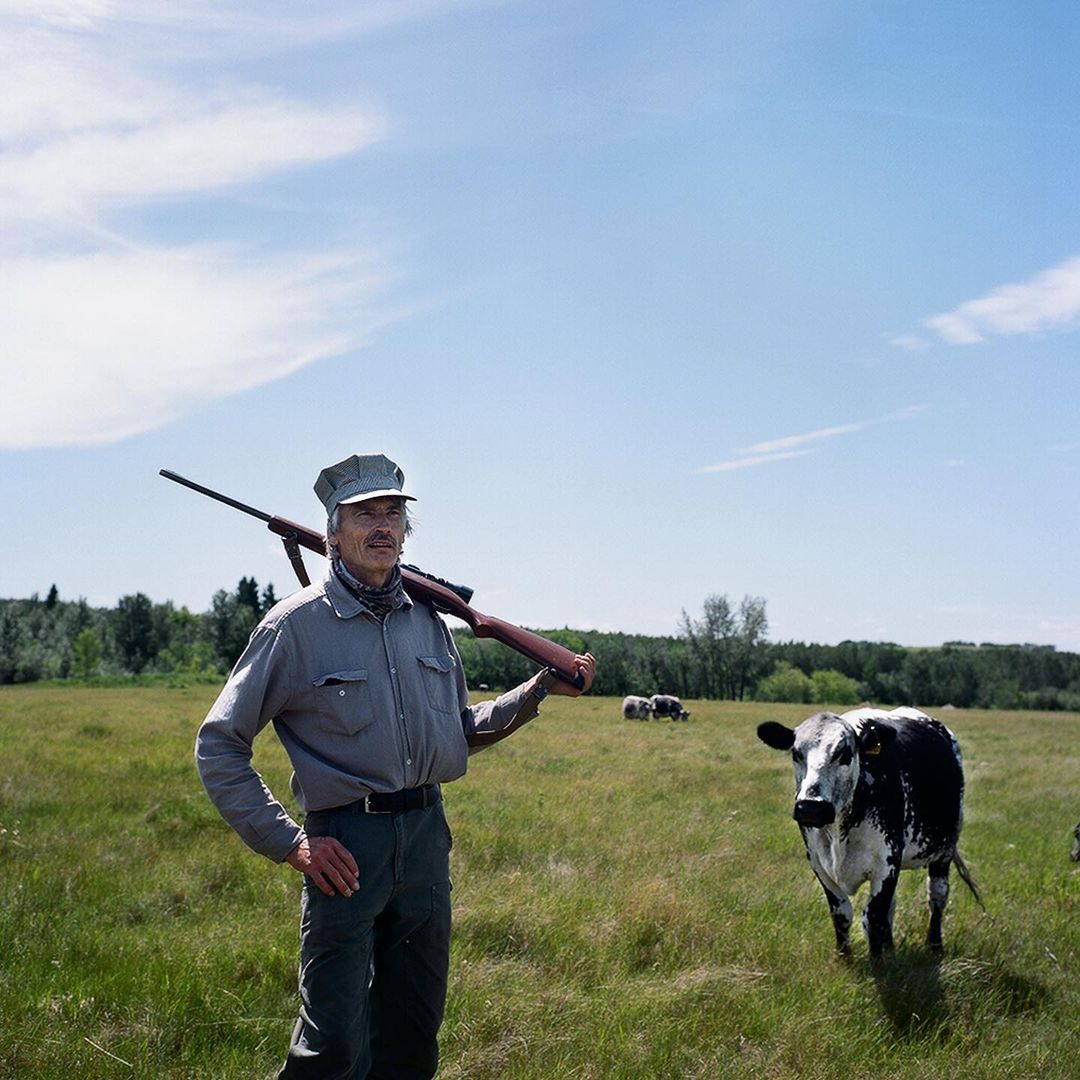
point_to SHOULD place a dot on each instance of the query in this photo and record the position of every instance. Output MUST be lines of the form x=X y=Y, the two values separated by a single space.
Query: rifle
x=443 y=596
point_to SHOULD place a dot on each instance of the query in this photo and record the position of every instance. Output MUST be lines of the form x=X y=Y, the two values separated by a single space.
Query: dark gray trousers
x=373 y=966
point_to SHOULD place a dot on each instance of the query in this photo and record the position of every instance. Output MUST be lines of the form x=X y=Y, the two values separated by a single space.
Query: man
x=365 y=690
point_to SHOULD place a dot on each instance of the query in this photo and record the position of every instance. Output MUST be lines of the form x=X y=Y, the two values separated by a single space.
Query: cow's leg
x=937 y=892
x=840 y=910
x=878 y=916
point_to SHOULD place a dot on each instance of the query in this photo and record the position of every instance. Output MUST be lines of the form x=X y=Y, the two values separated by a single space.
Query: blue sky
x=650 y=301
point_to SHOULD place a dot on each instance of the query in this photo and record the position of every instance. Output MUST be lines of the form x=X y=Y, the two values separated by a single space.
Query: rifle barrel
x=234 y=503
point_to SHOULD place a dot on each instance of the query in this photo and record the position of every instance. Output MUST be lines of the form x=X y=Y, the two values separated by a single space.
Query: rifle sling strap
x=292 y=549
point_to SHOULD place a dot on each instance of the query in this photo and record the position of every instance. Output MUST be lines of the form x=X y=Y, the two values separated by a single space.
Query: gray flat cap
x=360 y=477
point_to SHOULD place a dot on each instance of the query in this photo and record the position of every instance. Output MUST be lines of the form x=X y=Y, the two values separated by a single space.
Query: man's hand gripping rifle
x=441 y=595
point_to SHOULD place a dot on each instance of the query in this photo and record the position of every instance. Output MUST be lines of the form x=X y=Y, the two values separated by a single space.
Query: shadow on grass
x=924 y=994
x=908 y=984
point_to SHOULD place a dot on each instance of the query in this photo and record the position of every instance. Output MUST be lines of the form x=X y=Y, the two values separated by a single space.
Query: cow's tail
x=965 y=875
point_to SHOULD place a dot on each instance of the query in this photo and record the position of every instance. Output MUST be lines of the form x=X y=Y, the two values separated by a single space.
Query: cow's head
x=828 y=754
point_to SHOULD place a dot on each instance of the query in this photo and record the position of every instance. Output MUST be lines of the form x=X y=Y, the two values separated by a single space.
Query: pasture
x=631 y=901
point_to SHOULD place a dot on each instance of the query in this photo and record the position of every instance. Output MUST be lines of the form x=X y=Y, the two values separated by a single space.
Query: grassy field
x=631 y=901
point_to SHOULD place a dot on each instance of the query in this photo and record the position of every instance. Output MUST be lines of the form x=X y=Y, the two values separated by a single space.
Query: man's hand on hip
x=328 y=863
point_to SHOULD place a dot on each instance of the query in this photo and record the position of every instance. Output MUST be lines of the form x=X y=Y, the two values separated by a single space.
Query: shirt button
x=393 y=671
x=408 y=761
x=341 y=693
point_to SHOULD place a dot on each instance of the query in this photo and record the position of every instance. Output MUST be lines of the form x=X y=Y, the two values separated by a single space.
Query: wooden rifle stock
x=538 y=649
x=424 y=588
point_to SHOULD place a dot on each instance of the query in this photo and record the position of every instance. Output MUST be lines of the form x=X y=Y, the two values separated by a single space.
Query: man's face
x=370 y=537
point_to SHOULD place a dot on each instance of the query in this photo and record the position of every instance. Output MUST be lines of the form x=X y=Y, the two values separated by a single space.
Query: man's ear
x=776 y=735
x=874 y=737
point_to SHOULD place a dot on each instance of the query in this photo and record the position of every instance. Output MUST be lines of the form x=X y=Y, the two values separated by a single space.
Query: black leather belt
x=393 y=802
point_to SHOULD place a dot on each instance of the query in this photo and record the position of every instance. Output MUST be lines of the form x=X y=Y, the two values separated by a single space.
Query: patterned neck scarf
x=379 y=601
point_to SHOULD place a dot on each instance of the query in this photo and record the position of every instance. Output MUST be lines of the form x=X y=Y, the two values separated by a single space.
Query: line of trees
x=723 y=653
x=959 y=673
x=58 y=639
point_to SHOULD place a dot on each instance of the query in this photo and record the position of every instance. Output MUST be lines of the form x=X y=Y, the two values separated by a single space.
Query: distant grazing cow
x=1075 y=853
x=636 y=708
x=666 y=705
x=875 y=793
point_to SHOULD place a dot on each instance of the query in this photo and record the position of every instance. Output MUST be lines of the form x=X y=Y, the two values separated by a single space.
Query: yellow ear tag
x=875 y=748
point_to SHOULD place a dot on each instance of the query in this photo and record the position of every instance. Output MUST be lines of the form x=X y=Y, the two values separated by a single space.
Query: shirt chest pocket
x=437 y=675
x=343 y=699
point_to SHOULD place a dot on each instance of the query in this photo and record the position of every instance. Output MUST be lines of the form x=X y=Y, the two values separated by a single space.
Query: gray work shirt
x=360 y=706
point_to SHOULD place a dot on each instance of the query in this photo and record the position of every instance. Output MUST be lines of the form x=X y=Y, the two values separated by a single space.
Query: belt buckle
x=369 y=809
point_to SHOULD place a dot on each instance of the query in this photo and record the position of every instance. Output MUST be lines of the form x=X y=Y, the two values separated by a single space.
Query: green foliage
x=247 y=594
x=231 y=624
x=188 y=651
x=826 y=687
x=136 y=638
x=727 y=646
x=269 y=598
x=711 y=639
x=987 y=676
x=833 y=688
x=85 y=654
x=630 y=900
x=35 y=638
x=10 y=643
x=786 y=683
x=133 y=631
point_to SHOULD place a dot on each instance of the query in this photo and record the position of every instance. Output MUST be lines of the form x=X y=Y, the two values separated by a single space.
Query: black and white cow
x=667 y=705
x=875 y=793
x=1075 y=853
x=636 y=708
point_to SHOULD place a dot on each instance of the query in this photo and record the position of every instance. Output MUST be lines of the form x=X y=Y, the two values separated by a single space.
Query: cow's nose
x=813 y=813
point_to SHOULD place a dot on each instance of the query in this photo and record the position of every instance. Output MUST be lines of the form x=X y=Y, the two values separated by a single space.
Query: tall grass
x=631 y=900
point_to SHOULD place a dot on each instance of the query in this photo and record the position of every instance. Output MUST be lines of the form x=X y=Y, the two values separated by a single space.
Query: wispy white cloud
x=909 y=342
x=104 y=335
x=73 y=175
x=103 y=346
x=789 y=441
x=1048 y=301
x=788 y=446
x=750 y=461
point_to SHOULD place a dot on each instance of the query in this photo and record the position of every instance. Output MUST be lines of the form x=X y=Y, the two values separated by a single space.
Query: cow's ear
x=776 y=735
x=874 y=737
